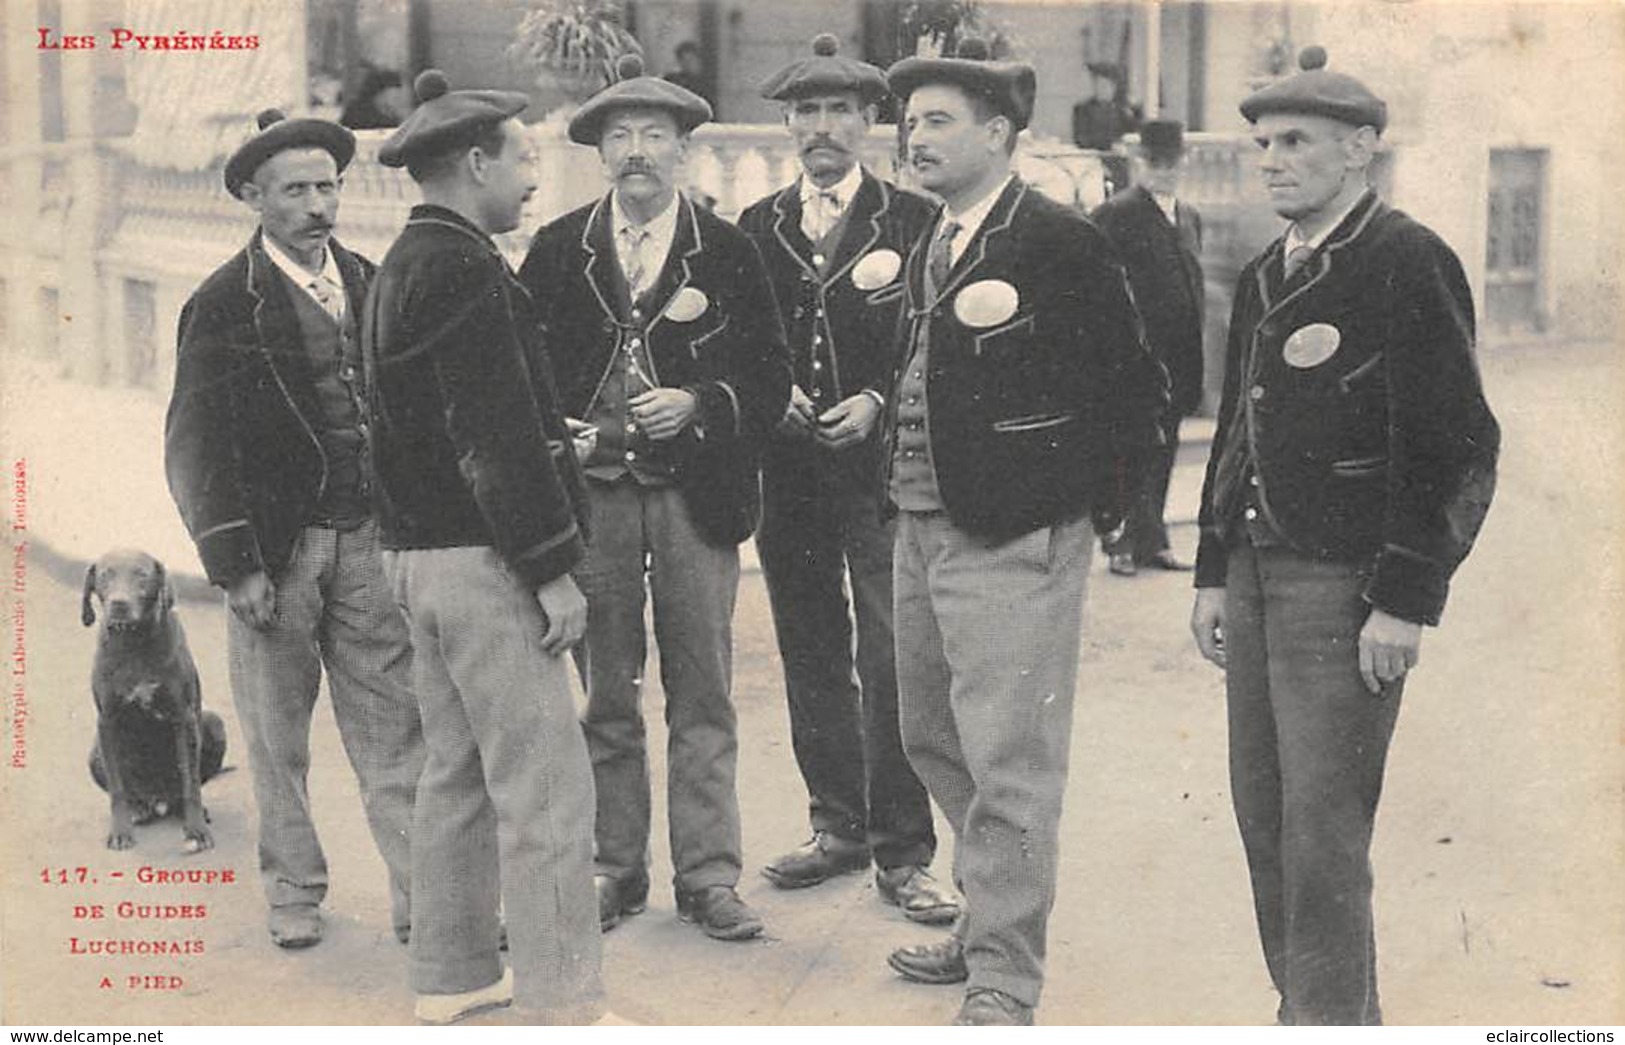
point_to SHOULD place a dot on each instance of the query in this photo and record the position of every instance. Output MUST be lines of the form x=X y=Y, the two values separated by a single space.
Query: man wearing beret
x=1020 y=412
x=1352 y=467
x=834 y=242
x=265 y=450
x=664 y=335
x=1160 y=240
x=483 y=514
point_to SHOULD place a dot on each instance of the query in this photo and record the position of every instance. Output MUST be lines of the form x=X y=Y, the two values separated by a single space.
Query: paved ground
x=1500 y=852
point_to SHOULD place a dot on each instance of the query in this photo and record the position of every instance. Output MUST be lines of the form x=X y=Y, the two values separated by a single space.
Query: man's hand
x=848 y=422
x=253 y=600
x=1207 y=624
x=1389 y=647
x=583 y=438
x=566 y=611
x=660 y=413
x=799 y=415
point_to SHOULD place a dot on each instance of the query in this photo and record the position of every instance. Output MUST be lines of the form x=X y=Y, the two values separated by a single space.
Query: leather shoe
x=620 y=898
x=932 y=962
x=1165 y=560
x=823 y=857
x=1122 y=564
x=296 y=925
x=986 y=1007
x=920 y=896
x=719 y=912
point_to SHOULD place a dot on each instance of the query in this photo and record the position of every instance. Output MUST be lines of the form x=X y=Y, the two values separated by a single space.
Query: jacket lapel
x=675 y=274
x=1318 y=266
x=865 y=215
x=787 y=227
x=602 y=271
x=277 y=329
x=988 y=237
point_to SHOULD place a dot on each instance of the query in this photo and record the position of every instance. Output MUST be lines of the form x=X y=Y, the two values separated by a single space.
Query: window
x=1515 y=250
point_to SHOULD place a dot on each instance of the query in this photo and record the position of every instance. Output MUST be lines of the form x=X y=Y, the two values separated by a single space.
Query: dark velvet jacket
x=729 y=354
x=1164 y=269
x=1381 y=453
x=240 y=448
x=469 y=444
x=1043 y=414
x=845 y=319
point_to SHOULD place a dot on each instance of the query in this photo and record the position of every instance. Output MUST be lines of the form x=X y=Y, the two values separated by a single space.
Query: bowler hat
x=276 y=133
x=1010 y=86
x=826 y=71
x=1162 y=139
x=1317 y=91
x=445 y=117
x=633 y=90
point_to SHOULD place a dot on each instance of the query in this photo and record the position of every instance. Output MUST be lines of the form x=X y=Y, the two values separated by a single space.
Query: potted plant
x=572 y=44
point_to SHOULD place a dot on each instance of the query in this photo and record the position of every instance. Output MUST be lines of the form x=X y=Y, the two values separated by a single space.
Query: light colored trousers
x=333 y=609
x=987 y=660
x=505 y=806
x=642 y=535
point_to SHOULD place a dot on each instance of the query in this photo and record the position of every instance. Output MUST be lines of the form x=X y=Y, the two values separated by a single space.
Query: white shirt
x=844 y=191
x=970 y=220
x=302 y=277
x=662 y=229
x=1168 y=205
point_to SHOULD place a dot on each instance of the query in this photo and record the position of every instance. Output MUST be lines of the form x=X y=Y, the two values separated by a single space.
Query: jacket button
x=1256 y=393
x=1252 y=480
x=1251 y=514
x=817 y=366
x=632 y=456
x=635 y=343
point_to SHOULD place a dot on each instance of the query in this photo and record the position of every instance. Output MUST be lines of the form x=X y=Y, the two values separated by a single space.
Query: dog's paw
x=120 y=839
x=197 y=840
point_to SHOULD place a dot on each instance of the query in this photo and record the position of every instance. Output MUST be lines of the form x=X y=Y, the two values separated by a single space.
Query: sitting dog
x=155 y=745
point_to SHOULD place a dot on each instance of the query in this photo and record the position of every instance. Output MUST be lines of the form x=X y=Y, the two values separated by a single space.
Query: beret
x=277 y=133
x=633 y=90
x=444 y=117
x=1317 y=91
x=826 y=71
x=1162 y=137
x=1010 y=86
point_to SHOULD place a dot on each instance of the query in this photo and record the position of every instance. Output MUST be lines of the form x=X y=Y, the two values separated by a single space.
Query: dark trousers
x=816 y=532
x=1308 y=743
x=1145 y=532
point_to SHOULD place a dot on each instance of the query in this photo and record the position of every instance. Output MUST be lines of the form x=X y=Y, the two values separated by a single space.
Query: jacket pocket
x=695 y=345
x=1032 y=422
x=1359 y=467
x=1003 y=338
x=1364 y=374
x=886 y=294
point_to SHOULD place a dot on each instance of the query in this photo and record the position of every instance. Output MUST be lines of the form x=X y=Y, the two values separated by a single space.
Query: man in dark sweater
x=481 y=510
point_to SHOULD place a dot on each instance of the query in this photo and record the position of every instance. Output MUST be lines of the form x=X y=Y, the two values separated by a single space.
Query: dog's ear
x=87 y=609
x=166 y=591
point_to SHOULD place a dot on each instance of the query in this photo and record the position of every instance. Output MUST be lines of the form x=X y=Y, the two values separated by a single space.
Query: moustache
x=319 y=226
x=824 y=143
x=636 y=167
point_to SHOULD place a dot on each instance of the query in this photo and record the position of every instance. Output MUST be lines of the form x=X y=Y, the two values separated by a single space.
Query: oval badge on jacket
x=986 y=303
x=876 y=269
x=687 y=305
x=1311 y=345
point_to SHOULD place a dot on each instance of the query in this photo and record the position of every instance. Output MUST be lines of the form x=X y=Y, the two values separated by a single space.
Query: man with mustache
x=1351 y=470
x=265 y=449
x=484 y=516
x=1023 y=403
x=664 y=335
x=833 y=242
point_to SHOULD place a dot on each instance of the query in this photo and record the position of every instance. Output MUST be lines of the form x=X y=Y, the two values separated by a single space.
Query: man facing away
x=1020 y=411
x=1160 y=239
x=1352 y=467
x=265 y=451
x=483 y=515
x=833 y=242
x=664 y=336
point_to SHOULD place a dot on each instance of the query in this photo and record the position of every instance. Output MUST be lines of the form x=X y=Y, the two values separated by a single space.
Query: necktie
x=1296 y=258
x=331 y=301
x=633 y=262
x=940 y=261
x=819 y=216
